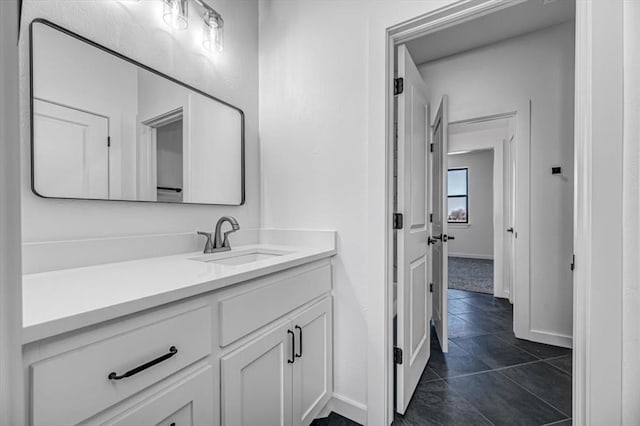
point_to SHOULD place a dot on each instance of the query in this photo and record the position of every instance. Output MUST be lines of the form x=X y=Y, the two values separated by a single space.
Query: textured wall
x=323 y=90
x=136 y=29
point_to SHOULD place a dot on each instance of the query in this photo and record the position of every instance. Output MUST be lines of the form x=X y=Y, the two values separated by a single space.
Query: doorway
x=482 y=198
x=529 y=179
x=470 y=215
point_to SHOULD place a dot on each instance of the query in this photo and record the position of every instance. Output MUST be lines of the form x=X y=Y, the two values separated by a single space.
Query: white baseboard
x=548 y=338
x=472 y=256
x=346 y=407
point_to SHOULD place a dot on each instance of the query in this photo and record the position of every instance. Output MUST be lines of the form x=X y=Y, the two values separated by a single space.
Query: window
x=458 y=192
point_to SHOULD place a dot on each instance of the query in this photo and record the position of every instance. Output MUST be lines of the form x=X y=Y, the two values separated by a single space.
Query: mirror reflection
x=107 y=128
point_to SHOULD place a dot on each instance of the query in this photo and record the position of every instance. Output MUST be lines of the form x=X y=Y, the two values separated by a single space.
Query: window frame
x=466 y=196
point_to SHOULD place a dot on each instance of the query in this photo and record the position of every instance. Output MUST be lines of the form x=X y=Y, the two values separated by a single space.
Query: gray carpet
x=471 y=274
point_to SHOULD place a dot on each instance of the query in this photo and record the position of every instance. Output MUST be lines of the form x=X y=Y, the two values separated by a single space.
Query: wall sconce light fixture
x=213 y=34
x=176 y=15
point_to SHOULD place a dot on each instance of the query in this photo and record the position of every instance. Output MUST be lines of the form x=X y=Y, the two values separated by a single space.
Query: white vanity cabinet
x=282 y=376
x=186 y=402
x=254 y=353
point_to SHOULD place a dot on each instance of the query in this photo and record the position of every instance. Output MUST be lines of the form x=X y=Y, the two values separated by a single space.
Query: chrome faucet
x=220 y=243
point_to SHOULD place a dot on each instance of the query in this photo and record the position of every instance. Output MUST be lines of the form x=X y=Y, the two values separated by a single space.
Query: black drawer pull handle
x=172 y=351
x=298 y=355
x=293 y=347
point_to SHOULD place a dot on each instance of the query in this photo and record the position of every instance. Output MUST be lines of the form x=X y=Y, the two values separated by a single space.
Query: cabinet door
x=312 y=378
x=188 y=402
x=256 y=381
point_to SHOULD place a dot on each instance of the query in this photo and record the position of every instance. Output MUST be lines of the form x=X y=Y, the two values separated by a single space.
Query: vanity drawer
x=188 y=402
x=75 y=385
x=243 y=313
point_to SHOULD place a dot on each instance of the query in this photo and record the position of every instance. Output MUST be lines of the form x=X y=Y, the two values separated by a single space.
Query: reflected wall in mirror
x=107 y=128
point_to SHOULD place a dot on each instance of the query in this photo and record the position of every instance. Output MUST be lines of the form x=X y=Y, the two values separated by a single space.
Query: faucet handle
x=208 y=247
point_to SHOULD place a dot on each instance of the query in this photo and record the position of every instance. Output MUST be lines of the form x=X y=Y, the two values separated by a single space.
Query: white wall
x=475 y=240
x=323 y=91
x=537 y=66
x=136 y=30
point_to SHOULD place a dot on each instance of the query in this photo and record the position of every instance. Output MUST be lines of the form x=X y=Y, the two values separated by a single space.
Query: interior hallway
x=489 y=377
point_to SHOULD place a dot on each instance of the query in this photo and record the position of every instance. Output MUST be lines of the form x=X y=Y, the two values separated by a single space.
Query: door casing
x=439 y=19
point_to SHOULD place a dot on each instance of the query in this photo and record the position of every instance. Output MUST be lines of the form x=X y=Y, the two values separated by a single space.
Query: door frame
x=448 y=16
x=499 y=179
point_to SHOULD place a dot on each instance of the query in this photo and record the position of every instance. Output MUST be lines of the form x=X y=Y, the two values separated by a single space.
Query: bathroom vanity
x=115 y=336
x=240 y=337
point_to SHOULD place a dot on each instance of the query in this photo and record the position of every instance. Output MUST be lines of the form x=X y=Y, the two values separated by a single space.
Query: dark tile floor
x=334 y=419
x=489 y=377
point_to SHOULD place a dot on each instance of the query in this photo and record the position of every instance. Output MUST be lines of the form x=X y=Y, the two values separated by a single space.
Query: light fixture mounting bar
x=207 y=8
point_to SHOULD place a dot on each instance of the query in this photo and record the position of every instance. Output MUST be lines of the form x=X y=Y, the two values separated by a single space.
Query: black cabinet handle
x=298 y=355
x=172 y=351
x=293 y=347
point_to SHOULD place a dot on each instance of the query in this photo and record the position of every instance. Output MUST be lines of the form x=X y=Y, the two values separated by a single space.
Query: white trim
x=453 y=225
x=345 y=407
x=447 y=16
x=472 y=256
x=550 y=338
x=631 y=204
x=11 y=372
x=582 y=212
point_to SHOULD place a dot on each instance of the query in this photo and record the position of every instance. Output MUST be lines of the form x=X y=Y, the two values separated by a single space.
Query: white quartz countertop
x=60 y=301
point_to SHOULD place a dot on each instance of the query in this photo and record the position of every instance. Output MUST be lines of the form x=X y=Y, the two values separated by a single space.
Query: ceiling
x=532 y=15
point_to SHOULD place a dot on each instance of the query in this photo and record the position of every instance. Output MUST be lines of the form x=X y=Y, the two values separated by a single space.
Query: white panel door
x=440 y=252
x=312 y=379
x=71 y=153
x=257 y=381
x=413 y=310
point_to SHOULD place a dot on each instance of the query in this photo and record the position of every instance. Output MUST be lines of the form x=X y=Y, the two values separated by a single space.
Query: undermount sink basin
x=240 y=258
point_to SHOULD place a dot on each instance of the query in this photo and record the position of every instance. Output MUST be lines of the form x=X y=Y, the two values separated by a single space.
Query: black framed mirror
x=105 y=127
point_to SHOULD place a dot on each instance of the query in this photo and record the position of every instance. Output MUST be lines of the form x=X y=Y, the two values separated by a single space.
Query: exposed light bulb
x=176 y=14
x=213 y=32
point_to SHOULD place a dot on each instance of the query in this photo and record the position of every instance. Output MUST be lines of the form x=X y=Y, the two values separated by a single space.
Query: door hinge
x=431 y=288
x=397 y=355
x=398 y=221
x=108 y=141
x=398 y=86
x=430 y=147
x=431 y=217
x=573 y=263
